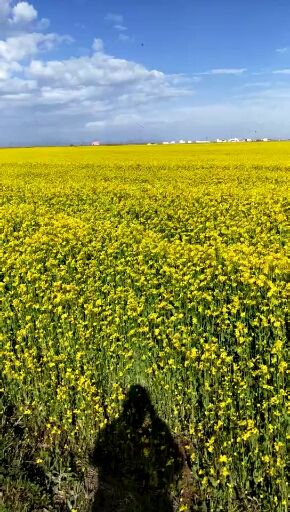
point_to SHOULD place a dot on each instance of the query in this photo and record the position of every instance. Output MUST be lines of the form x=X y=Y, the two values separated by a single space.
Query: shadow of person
x=137 y=459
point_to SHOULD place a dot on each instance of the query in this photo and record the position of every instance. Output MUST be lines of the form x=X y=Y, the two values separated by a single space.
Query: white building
x=172 y=142
x=265 y=140
x=96 y=143
x=234 y=140
x=189 y=142
x=202 y=141
x=182 y=141
x=165 y=142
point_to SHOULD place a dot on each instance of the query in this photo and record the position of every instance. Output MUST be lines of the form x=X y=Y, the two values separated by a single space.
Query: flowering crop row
x=171 y=273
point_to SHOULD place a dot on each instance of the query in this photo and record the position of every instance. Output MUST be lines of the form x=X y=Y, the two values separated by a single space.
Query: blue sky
x=72 y=71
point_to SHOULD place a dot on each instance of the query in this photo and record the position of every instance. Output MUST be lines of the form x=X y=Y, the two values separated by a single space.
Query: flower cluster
x=171 y=273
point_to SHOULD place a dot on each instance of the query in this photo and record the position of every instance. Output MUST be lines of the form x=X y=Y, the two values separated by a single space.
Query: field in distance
x=144 y=298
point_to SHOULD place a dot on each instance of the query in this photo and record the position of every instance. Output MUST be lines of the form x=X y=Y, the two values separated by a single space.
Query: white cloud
x=98 y=45
x=121 y=28
x=116 y=120
x=255 y=84
x=225 y=71
x=6 y=68
x=22 y=37
x=93 y=90
x=18 y=18
x=17 y=48
x=99 y=70
x=82 y=113
x=282 y=72
x=114 y=18
x=271 y=97
x=282 y=50
x=241 y=119
x=124 y=37
x=23 y=12
x=117 y=21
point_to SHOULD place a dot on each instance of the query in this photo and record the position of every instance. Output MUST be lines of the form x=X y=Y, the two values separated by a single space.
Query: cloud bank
x=75 y=94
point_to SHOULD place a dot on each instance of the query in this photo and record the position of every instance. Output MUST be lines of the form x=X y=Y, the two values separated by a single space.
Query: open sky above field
x=72 y=71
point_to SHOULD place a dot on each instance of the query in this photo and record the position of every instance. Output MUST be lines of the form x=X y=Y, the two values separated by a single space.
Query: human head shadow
x=137 y=460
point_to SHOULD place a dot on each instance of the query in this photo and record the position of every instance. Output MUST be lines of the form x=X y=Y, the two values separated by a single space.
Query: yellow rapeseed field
x=164 y=267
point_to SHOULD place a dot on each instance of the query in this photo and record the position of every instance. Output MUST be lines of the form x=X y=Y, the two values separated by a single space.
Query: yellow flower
x=162 y=267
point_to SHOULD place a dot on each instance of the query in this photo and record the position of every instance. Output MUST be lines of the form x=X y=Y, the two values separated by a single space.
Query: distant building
x=189 y=142
x=265 y=140
x=248 y=140
x=202 y=141
x=165 y=142
x=172 y=142
x=96 y=143
x=182 y=141
x=234 y=140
